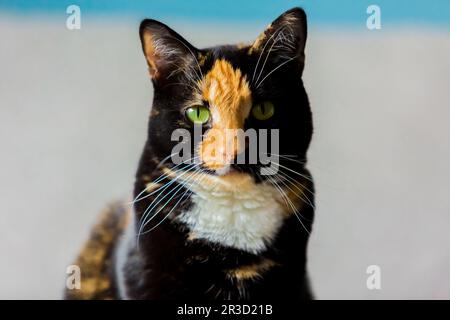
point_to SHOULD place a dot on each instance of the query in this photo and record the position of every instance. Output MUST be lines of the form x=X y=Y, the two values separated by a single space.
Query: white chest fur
x=246 y=217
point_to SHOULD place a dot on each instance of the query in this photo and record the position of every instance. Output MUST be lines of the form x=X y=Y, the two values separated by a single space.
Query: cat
x=211 y=228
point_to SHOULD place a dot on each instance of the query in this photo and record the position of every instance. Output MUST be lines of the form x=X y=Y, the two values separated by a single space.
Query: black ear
x=167 y=53
x=284 y=38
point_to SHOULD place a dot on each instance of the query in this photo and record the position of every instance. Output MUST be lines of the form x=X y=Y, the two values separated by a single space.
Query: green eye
x=198 y=114
x=263 y=111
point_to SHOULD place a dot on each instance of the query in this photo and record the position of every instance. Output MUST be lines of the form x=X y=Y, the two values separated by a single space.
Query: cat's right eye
x=263 y=111
x=198 y=114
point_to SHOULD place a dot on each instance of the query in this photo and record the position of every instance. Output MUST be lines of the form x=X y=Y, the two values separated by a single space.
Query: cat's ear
x=165 y=50
x=284 y=38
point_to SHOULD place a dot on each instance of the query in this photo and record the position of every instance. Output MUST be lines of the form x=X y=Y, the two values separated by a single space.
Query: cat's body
x=210 y=229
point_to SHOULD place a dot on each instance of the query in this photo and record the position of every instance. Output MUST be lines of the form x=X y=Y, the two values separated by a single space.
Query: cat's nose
x=220 y=148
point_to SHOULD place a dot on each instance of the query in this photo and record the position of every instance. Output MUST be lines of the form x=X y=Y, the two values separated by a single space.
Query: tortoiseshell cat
x=223 y=231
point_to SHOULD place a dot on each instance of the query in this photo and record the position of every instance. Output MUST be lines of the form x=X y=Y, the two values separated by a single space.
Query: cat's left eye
x=263 y=111
x=198 y=114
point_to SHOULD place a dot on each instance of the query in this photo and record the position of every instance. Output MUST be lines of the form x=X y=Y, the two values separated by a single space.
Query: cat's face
x=233 y=87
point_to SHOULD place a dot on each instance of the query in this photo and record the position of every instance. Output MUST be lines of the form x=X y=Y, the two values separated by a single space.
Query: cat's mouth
x=226 y=170
x=229 y=180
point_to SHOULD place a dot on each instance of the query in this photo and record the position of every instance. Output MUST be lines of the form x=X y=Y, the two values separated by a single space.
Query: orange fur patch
x=251 y=272
x=96 y=260
x=229 y=96
x=296 y=193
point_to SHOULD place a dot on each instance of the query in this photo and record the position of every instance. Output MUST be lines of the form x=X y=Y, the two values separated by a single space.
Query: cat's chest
x=246 y=219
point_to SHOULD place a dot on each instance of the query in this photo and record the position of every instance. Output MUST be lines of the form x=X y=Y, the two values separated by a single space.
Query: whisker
x=160 y=178
x=286 y=179
x=147 y=211
x=145 y=189
x=276 y=68
x=293 y=171
x=173 y=208
x=288 y=201
x=175 y=192
x=287 y=157
x=262 y=52
x=292 y=180
x=268 y=54
x=195 y=58
x=146 y=221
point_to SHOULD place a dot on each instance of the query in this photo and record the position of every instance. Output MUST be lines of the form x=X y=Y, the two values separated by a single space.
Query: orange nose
x=220 y=147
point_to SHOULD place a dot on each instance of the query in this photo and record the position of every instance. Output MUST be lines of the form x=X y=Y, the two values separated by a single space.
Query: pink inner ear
x=150 y=53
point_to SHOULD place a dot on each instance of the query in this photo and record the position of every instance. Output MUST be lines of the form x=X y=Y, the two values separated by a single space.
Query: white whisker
x=276 y=68
x=262 y=52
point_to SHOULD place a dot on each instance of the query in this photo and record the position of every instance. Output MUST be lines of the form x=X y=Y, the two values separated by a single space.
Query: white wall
x=73 y=113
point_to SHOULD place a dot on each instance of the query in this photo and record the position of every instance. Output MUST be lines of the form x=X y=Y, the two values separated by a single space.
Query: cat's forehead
x=238 y=56
x=227 y=90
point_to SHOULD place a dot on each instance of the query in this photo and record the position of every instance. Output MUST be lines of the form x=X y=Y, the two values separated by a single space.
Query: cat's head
x=231 y=87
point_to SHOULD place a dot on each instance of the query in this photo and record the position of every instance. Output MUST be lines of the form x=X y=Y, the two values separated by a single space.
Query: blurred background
x=74 y=106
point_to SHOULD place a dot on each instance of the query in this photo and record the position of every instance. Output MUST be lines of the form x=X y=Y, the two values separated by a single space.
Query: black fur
x=167 y=266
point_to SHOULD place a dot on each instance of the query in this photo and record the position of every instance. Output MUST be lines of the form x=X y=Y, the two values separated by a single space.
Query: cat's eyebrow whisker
x=280 y=42
x=183 y=84
x=262 y=51
x=288 y=41
x=195 y=58
x=268 y=54
x=184 y=70
x=276 y=68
